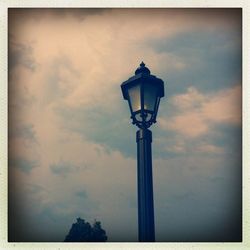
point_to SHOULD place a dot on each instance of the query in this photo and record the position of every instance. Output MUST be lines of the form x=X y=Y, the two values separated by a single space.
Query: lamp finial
x=142 y=69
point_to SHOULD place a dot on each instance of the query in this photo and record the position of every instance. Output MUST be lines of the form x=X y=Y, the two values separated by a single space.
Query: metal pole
x=145 y=186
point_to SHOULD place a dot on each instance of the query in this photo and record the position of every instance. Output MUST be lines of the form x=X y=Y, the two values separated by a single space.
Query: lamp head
x=143 y=92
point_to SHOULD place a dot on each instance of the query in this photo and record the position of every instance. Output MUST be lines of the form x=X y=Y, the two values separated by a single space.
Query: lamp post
x=143 y=92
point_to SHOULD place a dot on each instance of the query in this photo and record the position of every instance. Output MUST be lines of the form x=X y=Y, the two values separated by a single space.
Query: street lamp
x=143 y=92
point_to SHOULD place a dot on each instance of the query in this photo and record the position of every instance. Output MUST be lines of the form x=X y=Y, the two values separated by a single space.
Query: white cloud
x=189 y=124
x=225 y=106
x=189 y=100
x=197 y=112
x=208 y=148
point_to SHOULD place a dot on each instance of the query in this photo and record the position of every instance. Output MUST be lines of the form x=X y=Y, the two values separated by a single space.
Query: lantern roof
x=142 y=75
x=142 y=69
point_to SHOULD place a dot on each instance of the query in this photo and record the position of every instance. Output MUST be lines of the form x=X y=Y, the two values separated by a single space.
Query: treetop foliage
x=82 y=231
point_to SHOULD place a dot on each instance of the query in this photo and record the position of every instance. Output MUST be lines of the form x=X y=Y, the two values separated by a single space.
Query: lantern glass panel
x=150 y=96
x=138 y=117
x=148 y=117
x=135 y=97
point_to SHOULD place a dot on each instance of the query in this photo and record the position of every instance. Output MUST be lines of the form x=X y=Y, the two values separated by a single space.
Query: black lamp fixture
x=143 y=92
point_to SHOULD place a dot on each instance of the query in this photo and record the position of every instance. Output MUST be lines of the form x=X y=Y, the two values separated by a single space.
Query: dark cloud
x=30 y=227
x=63 y=168
x=22 y=164
x=19 y=96
x=19 y=99
x=224 y=140
x=213 y=60
x=82 y=194
x=78 y=13
x=35 y=189
x=17 y=15
x=54 y=81
x=193 y=198
x=49 y=215
x=98 y=125
x=20 y=54
x=228 y=136
x=25 y=131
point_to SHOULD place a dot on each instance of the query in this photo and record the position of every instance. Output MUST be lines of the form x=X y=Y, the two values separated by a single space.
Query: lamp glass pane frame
x=143 y=117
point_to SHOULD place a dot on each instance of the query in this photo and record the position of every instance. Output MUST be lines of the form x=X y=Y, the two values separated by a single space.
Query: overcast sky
x=72 y=148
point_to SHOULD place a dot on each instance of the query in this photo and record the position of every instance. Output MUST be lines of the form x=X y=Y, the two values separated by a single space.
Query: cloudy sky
x=72 y=148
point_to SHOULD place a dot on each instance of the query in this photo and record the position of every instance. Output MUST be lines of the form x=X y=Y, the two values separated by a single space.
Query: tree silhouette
x=82 y=231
